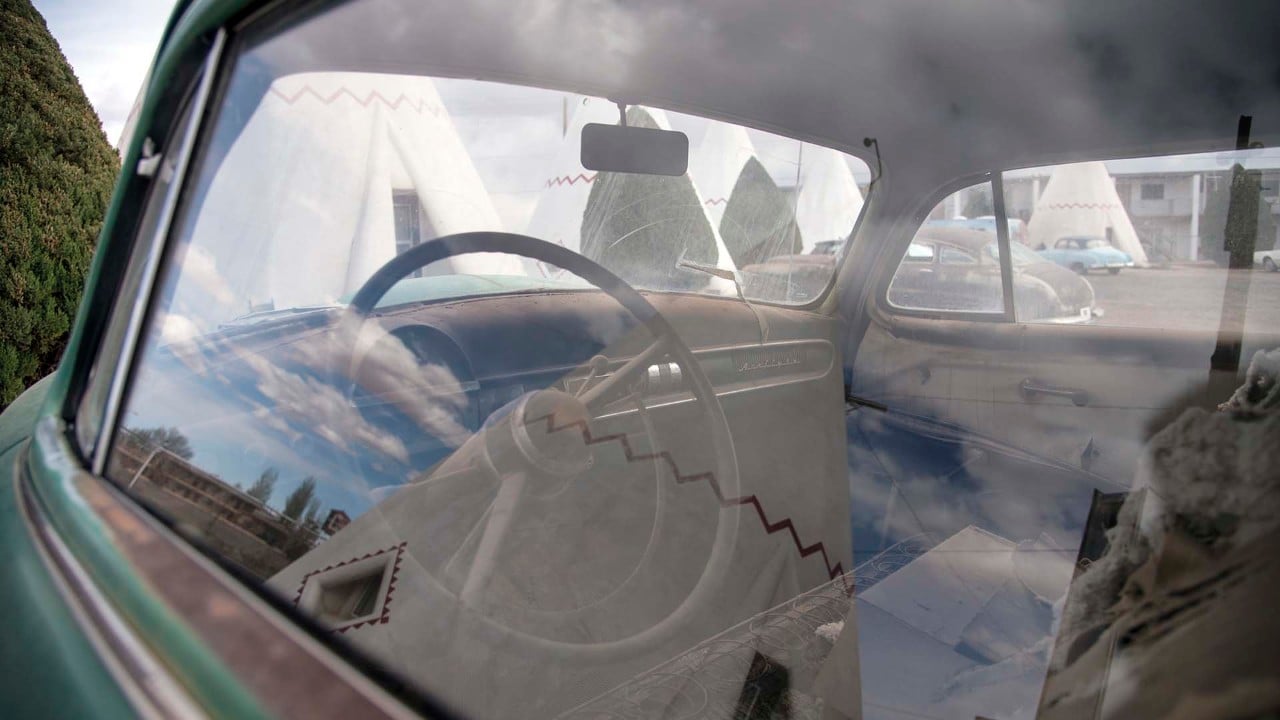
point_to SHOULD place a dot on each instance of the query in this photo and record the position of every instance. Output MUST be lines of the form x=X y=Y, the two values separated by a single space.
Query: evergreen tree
x=298 y=501
x=168 y=438
x=264 y=485
x=312 y=516
x=56 y=175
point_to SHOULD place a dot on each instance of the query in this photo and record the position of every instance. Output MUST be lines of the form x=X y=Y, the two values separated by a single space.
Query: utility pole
x=143 y=466
x=1239 y=238
x=1195 y=217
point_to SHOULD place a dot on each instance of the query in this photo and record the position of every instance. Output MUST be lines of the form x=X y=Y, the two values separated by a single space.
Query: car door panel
x=1085 y=396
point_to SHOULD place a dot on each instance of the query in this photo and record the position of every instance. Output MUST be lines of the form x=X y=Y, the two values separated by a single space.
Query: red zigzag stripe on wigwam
x=1082 y=206
x=715 y=201
x=419 y=106
x=385 y=616
x=833 y=571
x=571 y=180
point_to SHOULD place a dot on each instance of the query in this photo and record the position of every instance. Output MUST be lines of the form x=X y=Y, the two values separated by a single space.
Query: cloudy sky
x=110 y=45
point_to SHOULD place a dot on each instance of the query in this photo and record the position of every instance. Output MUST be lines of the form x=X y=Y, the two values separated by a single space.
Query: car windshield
x=332 y=174
x=667 y=360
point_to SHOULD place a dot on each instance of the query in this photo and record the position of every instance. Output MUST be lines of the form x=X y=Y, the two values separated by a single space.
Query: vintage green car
x=473 y=359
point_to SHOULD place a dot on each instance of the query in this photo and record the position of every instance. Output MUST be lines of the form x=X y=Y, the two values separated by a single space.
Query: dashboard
x=501 y=347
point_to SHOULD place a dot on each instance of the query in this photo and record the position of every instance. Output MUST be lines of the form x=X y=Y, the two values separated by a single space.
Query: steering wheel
x=563 y=410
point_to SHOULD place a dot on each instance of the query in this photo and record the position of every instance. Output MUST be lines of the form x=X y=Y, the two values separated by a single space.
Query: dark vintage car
x=946 y=267
x=419 y=373
x=959 y=268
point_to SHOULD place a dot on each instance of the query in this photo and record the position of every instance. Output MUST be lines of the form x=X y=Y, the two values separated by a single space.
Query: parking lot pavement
x=1183 y=297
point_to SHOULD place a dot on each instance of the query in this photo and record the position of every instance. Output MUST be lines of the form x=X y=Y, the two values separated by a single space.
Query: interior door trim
x=1153 y=347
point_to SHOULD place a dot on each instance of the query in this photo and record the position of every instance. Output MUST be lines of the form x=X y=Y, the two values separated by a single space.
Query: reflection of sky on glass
x=286 y=407
x=236 y=447
x=904 y=483
x=257 y=397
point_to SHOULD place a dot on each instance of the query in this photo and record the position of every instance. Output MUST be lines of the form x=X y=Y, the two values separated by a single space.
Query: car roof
x=838 y=71
x=962 y=237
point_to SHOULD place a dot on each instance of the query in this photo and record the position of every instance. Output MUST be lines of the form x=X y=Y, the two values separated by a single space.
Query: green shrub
x=56 y=174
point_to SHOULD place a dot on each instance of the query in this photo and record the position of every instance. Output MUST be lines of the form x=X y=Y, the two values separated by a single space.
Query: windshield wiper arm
x=734 y=277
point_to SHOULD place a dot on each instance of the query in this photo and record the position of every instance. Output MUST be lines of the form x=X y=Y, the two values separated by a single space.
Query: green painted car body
x=52 y=668
x=73 y=543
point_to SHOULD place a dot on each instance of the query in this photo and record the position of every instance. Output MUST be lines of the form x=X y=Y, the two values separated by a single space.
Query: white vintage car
x=1268 y=259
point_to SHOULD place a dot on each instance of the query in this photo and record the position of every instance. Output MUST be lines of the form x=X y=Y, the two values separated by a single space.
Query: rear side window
x=1092 y=243
x=1153 y=239
x=953 y=263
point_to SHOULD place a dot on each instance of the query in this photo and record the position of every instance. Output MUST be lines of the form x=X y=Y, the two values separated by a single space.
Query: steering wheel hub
x=550 y=430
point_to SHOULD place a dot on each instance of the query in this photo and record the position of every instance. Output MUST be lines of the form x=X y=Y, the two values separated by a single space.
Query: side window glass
x=920 y=252
x=494 y=451
x=1147 y=242
x=955 y=256
x=966 y=276
x=93 y=404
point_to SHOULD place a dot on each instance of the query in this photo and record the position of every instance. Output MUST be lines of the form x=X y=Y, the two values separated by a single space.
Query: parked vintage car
x=985 y=223
x=415 y=376
x=959 y=269
x=1082 y=254
x=1269 y=260
x=827 y=247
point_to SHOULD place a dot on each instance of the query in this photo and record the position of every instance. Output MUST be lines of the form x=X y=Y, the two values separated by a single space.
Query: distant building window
x=1152 y=191
x=408 y=225
x=408 y=221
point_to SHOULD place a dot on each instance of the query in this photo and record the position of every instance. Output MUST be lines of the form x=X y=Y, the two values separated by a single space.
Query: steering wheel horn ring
x=561 y=416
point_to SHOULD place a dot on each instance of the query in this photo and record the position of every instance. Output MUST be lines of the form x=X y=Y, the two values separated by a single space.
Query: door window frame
x=994 y=179
x=95 y=409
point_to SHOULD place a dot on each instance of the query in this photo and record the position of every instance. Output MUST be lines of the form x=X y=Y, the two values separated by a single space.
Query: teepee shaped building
x=715 y=167
x=316 y=179
x=611 y=217
x=828 y=201
x=557 y=217
x=1081 y=199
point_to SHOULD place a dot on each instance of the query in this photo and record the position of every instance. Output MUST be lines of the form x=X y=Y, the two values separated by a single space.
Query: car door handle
x=1032 y=387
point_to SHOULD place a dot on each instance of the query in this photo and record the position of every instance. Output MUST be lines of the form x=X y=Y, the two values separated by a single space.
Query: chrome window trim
x=1002 y=242
x=150 y=689
x=149 y=686
x=343 y=690
x=154 y=252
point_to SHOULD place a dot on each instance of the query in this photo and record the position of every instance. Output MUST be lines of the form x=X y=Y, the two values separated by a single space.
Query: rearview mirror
x=640 y=150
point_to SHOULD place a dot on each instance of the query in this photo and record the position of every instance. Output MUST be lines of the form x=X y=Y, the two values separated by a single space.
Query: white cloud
x=200 y=267
x=110 y=46
x=177 y=328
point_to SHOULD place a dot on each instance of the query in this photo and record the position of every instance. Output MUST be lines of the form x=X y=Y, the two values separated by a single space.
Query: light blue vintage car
x=1083 y=253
